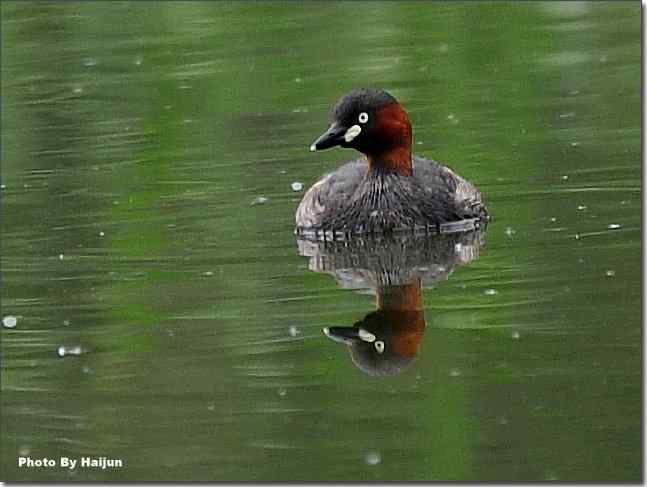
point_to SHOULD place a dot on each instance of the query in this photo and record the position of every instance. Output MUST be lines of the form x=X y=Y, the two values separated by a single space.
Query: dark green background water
x=135 y=137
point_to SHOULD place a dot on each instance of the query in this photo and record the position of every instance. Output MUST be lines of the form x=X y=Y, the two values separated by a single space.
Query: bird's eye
x=379 y=346
x=363 y=117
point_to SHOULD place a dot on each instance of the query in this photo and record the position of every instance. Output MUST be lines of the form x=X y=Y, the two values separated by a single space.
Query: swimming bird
x=388 y=188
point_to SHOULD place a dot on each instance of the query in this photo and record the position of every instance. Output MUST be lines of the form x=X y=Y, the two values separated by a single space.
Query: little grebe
x=388 y=189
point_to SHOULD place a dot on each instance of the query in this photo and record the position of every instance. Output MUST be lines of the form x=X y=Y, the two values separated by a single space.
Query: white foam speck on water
x=575 y=144
x=293 y=331
x=61 y=256
x=372 y=458
x=564 y=178
x=208 y=273
x=73 y=350
x=297 y=186
x=282 y=392
x=102 y=234
x=490 y=292
x=614 y=226
x=454 y=373
x=452 y=119
x=9 y=321
x=581 y=207
x=66 y=322
x=553 y=219
x=610 y=273
x=259 y=200
x=3 y=186
x=515 y=335
x=24 y=450
x=509 y=231
x=88 y=62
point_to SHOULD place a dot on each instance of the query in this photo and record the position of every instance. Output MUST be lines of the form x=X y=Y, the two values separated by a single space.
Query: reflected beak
x=332 y=137
x=348 y=334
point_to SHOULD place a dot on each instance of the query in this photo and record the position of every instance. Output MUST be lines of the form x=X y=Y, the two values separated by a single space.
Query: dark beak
x=348 y=334
x=330 y=138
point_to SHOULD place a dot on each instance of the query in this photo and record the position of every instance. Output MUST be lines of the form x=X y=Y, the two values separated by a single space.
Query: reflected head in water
x=388 y=339
x=395 y=269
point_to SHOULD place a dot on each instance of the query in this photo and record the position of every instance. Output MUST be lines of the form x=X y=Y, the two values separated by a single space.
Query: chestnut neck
x=407 y=297
x=393 y=152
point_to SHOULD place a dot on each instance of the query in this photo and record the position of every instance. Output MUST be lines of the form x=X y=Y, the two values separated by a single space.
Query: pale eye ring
x=363 y=117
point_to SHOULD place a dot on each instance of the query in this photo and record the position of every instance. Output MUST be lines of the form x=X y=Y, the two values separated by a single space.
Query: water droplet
x=61 y=256
x=614 y=226
x=564 y=178
x=490 y=292
x=553 y=219
x=610 y=273
x=293 y=331
x=581 y=207
x=9 y=321
x=372 y=458
x=297 y=186
x=102 y=234
x=515 y=335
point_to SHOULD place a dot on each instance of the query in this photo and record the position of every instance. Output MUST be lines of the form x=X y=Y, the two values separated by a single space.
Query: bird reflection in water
x=395 y=269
